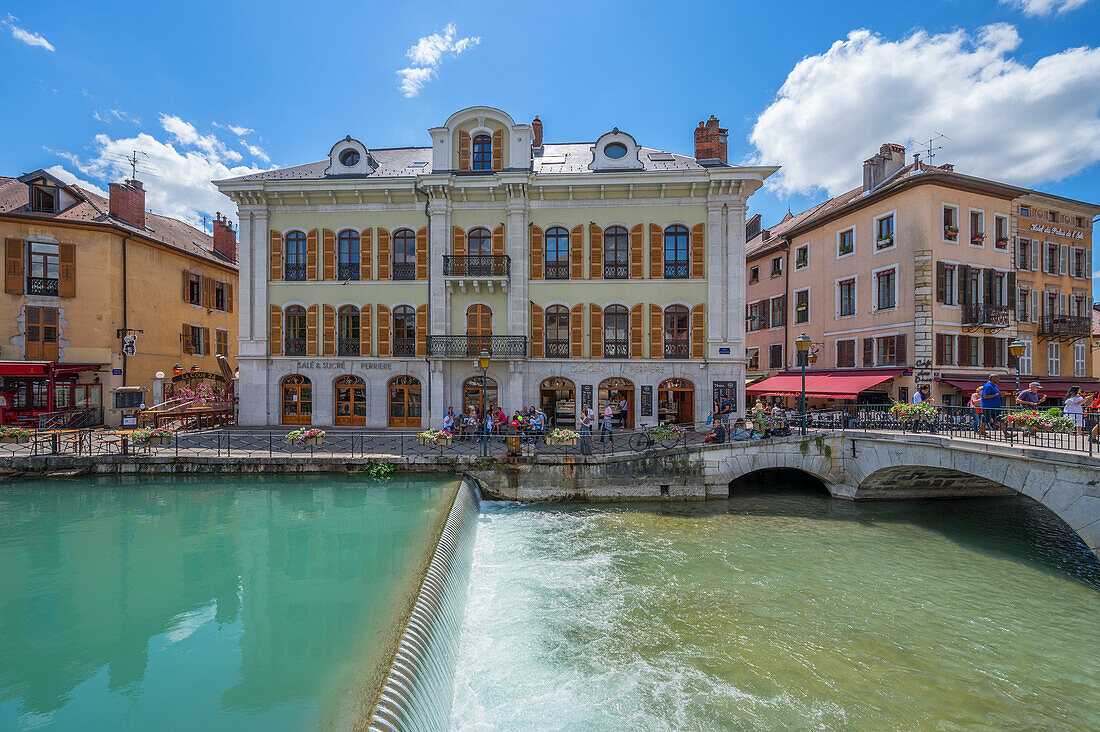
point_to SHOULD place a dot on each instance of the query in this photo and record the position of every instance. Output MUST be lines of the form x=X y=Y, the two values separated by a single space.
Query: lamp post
x=1017 y=348
x=177 y=370
x=802 y=343
x=483 y=364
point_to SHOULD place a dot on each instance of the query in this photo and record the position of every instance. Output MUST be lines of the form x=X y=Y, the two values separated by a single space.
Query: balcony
x=475 y=271
x=294 y=272
x=557 y=348
x=676 y=348
x=556 y=271
x=677 y=269
x=616 y=348
x=404 y=347
x=404 y=271
x=294 y=347
x=347 y=347
x=620 y=271
x=990 y=317
x=461 y=346
x=42 y=286
x=1065 y=327
x=347 y=271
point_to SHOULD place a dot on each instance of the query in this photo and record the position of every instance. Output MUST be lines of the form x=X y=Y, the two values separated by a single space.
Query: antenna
x=133 y=161
x=930 y=147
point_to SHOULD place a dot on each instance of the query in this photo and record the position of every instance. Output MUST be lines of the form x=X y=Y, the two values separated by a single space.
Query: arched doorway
x=558 y=398
x=618 y=392
x=351 y=401
x=471 y=393
x=676 y=401
x=404 y=399
x=297 y=400
x=479 y=329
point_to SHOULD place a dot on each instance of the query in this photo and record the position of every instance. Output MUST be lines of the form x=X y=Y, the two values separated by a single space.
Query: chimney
x=225 y=238
x=127 y=202
x=889 y=160
x=710 y=141
x=537 y=125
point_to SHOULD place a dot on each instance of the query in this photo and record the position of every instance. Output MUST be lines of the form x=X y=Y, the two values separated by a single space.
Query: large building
x=588 y=272
x=100 y=295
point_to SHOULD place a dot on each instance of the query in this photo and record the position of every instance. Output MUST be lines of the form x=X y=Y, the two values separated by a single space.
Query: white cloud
x=186 y=134
x=427 y=53
x=68 y=177
x=113 y=115
x=1036 y=8
x=25 y=36
x=241 y=131
x=1005 y=120
x=257 y=151
x=413 y=80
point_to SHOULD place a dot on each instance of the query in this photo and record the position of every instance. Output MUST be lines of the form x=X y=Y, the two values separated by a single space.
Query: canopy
x=830 y=385
x=1007 y=385
x=43 y=368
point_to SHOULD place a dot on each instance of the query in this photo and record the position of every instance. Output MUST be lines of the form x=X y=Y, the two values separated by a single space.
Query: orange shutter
x=595 y=325
x=208 y=292
x=498 y=241
x=66 y=257
x=328 y=241
x=228 y=299
x=656 y=332
x=698 y=251
x=364 y=330
x=595 y=245
x=383 y=330
x=538 y=342
x=312 y=254
x=576 y=252
x=383 y=254
x=206 y=351
x=276 y=273
x=330 y=331
x=186 y=285
x=656 y=253
x=537 y=254
x=699 y=331
x=576 y=331
x=498 y=150
x=636 y=245
x=13 y=266
x=275 y=331
x=312 y=313
x=458 y=242
x=366 y=254
x=185 y=339
x=422 y=331
x=422 y=253
x=636 y=331
x=463 y=150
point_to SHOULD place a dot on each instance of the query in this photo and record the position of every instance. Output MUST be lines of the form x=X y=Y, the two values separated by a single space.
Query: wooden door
x=404 y=402
x=297 y=400
x=351 y=401
x=479 y=330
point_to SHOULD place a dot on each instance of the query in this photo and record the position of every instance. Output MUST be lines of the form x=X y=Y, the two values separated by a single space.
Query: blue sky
x=815 y=87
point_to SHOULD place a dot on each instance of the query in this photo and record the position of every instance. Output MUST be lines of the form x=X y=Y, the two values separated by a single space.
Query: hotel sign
x=1058 y=231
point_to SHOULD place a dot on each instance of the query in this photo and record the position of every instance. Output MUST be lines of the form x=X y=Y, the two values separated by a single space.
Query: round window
x=614 y=150
x=349 y=158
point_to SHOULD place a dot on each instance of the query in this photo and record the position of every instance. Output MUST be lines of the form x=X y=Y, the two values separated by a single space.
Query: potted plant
x=1032 y=420
x=16 y=435
x=561 y=436
x=306 y=437
x=885 y=241
x=158 y=436
x=908 y=413
x=433 y=436
x=977 y=238
x=951 y=233
x=1002 y=242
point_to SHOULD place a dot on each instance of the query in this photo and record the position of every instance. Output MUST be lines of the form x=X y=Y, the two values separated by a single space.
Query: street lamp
x=483 y=364
x=1017 y=348
x=177 y=370
x=802 y=343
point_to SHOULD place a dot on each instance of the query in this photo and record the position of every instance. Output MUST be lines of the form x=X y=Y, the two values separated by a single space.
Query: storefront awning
x=1007 y=385
x=831 y=385
x=42 y=369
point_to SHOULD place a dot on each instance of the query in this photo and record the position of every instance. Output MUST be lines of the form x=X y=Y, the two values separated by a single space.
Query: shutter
x=458 y=242
x=964 y=284
x=900 y=356
x=595 y=256
x=463 y=150
x=383 y=254
x=364 y=330
x=656 y=332
x=656 y=253
x=868 y=352
x=636 y=244
x=366 y=254
x=66 y=258
x=538 y=329
x=13 y=266
x=1063 y=257
x=383 y=330
x=595 y=326
x=1088 y=264
x=1035 y=314
x=990 y=278
x=1011 y=290
x=329 y=331
x=538 y=255
x=636 y=332
x=422 y=331
x=1061 y=303
x=699 y=331
x=228 y=300
x=328 y=247
x=276 y=272
x=498 y=241
x=275 y=331
x=988 y=344
x=185 y=333
x=939 y=348
x=964 y=350
x=941 y=282
x=1015 y=252
x=312 y=343
x=576 y=331
x=206 y=342
x=576 y=252
x=187 y=285
x=208 y=292
x=698 y=251
x=312 y=255
x=422 y=253
x=498 y=150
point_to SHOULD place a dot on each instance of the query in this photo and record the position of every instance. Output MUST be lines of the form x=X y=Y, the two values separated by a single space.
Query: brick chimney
x=225 y=238
x=710 y=141
x=537 y=125
x=889 y=160
x=127 y=202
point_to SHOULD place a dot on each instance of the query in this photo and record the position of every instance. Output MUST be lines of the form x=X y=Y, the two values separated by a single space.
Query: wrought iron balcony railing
x=616 y=271
x=477 y=265
x=676 y=269
x=404 y=347
x=556 y=271
x=677 y=348
x=616 y=348
x=1065 y=325
x=557 y=348
x=985 y=315
x=460 y=346
x=41 y=286
x=404 y=271
x=294 y=271
x=348 y=271
x=294 y=347
x=347 y=347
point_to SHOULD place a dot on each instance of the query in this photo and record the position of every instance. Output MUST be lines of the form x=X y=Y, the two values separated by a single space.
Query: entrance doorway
x=479 y=330
x=297 y=400
x=471 y=394
x=620 y=394
x=676 y=401
x=405 y=405
x=558 y=398
x=351 y=401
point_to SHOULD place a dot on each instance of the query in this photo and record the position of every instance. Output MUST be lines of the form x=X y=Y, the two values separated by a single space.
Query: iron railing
x=616 y=348
x=616 y=271
x=477 y=265
x=676 y=348
x=41 y=286
x=347 y=347
x=557 y=348
x=347 y=271
x=294 y=347
x=294 y=272
x=461 y=346
x=404 y=347
x=1065 y=325
x=403 y=271
x=982 y=314
x=676 y=269
x=556 y=271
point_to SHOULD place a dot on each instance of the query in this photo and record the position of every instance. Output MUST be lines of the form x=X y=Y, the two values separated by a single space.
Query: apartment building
x=598 y=272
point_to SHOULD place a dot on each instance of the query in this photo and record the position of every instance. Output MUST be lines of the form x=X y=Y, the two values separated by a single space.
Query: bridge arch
x=926 y=481
x=795 y=480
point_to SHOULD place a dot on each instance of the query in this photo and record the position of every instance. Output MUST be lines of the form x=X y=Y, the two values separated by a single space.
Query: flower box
x=886 y=241
x=562 y=437
x=306 y=437
x=977 y=239
x=311 y=441
x=950 y=233
x=565 y=441
x=160 y=440
x=436 y=440
x=15 y=439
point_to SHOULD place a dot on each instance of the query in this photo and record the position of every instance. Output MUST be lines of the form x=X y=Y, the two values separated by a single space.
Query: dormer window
x=615 y=150
x=43 y=198
x=482 y=153
x=349 y=158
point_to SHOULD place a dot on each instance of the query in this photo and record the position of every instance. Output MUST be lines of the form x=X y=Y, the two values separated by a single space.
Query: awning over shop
x=1051 y=387
x=42 y=369
x=831 y=385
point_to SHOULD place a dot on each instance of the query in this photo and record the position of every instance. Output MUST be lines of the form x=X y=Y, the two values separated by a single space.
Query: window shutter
x=988 y=344
x=422 y=331
x=498 y=241
x=186 y=285
x=383 y=330
x=576 y=252
x=538 y=255
x=312 y=343
x=1036 y=255
x=964 y=350
x=1015 y=251
x=576 y=331
x=422 y=253
x=939 y=348
x=941 y=282
x=366 y=254
x=383 y=254
x=698 y=251
x=312 y=254
x=989 y=277
x=329 y=339
x=1063 y=257
x=1061 y=303
x=228 y=299
x=900 y=356
x=538 y=323
x=1035 y=314
x=1011 y=278
x=964 y=284
x=66 y=258
x=498 y=150
x=595 y=246
x=458 y=242
x=636 y=332
x=656 y=253
x=868 y=352
x=13 y=266
x=275 y=330
x=463 y=150
x=595 y=330
x=185 y=333
x=656 y=332
x=207 y=292
x=365 y=330
x=206 y=351
x=328 y=247
x=636 y=244
x=699 y=331
x=276 y=272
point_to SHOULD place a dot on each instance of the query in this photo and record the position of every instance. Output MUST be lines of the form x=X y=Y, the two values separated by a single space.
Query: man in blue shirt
x=991 y=404
x=923 y=394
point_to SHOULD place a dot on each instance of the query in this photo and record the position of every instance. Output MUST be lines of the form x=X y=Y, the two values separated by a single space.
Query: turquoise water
x=245 y=604
x=779 y=612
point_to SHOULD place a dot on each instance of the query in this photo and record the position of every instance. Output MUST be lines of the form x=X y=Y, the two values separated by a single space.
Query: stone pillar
x=252 y=303
x=922 y=316
x=516 y=234
x=440 y=244
x=717 y=266
x=735 y=276
x=438 y=406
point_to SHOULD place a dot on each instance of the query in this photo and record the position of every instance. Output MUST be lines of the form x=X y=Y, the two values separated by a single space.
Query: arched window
x=297 y=400
x=351 y=401
x=676 y=401
x=294 y=256
x=557 y=254
x=404 y=401
x=404 y=255
x=472 y=391
x=557 y=331
x=479 y=248
x=558 y=399
x=482 y=158
x=676 y=331
x=347 y=255
x=479 y=330
x=294 y=331
x=616 y=332
x=347 y=331
x=404 y=331
x=619 y=393
x=616 y=254
x=676 y=253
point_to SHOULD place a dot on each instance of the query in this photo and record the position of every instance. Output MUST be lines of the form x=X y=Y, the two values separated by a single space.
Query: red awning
x=830 y=386
x=43 y=368
x=1051 y=387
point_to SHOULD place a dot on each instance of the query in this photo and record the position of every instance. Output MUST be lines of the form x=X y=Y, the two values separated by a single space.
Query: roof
x=767 y=238
x=92 y=208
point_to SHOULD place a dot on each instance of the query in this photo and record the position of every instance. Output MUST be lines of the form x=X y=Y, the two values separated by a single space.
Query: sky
x=208 y=90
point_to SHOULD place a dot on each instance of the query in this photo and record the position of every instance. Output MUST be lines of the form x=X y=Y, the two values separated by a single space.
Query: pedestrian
x=605 y=426
x=975 y=405
x=538 y=423
x=991 y=404
x=1074 y=406
x=586 y=426
x=920 y=396
x=622 y=412
x=725 y=409
x=1094 y=412
x=449 y=420
x=1030 y=397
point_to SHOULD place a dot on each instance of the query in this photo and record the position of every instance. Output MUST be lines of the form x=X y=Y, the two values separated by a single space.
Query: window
x=777 y=266
x=347 y=255
x=615 y=150
x=294 y=264
x=802 y=257
x=802 y=306
x=1052 y=217
x=1025 y=359
x=43 y=267
x=43 y=198
x=1052 y=258
x=886 y=289
x=483 y=153
x=1080 y=356
x=949 y=284
x=198 y=346
x=1025 y=211
x=1054 y=359
x=404 y=331
x=349 y=158
x=884 y=232
x=996 y=350
x=846 y=354
x=885 y=351
x=974 y=286
x=756 y=321
x=347 y=331
x=194 y=288
x=221 y=342
x=997 y=294
x=754 y=275
x=557 y=331
x=845 y=243
x=977 y=228
x=404 y=252
x=1079 y=222
x=1023 y=254
x=616 y=332
x=1000 y=231
x=295 y=335
x=945 y=349
x=846 y=297
x=676 y=253
x=775 y=356
x=1077 y=264
x=1023 y=305
x=41 y=334
x=950 y=223
x=754 y=358
x=220 y=302
x=676 y=331
x=616 y=254
x=777 y=314
x=557 y=254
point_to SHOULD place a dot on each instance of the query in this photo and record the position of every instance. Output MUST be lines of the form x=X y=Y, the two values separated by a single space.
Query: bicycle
x=665 y=436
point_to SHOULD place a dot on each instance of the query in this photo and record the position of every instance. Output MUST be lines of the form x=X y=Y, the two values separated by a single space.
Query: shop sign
x=647 y=400
x=586 y=395
x=1056 y=231
x=724 y=351
x=725 y=390
x=341 y=365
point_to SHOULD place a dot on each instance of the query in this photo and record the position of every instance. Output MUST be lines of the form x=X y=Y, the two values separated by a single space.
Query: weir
x=419 y=687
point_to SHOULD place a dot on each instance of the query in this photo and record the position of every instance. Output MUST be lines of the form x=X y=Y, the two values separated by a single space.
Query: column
x=516 y=234
x=717 y=265
x=735 y=276
x=440 y=244
x=439 y=400
x=254 y=391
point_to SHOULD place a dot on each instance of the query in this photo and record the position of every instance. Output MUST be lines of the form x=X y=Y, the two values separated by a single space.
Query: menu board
x=586 y=395
x=725 y=390
x=647 y=401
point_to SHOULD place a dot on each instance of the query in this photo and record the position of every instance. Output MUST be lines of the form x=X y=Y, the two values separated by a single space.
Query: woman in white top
x=1075 y=407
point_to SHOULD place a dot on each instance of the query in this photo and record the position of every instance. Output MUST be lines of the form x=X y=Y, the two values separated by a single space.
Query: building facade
x=100 y=295
x=588 y=272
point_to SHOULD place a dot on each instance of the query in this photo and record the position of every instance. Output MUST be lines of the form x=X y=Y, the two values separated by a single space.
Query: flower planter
x=313 y=441
x=159 y=440
x=571 y=442
x=424 y=440
x=15 y=439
